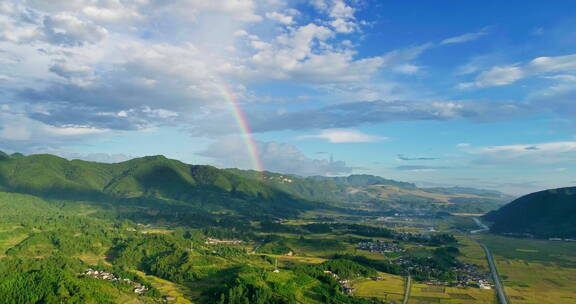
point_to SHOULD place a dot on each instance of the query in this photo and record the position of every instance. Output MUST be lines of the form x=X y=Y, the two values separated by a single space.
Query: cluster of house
x=281 y=178
x=470 y=275
x=345 y=284
x=103 y=275
x=212 y=241
x=380 y=246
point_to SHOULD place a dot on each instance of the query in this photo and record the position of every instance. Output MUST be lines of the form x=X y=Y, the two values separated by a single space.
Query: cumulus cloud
x=344 y=136
x=275 y=157
x=341 y=15
x=279 y=17
x=103 y=63
x=68 y=30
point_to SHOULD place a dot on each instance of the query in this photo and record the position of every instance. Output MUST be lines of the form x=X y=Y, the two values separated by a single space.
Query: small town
x=103 y=275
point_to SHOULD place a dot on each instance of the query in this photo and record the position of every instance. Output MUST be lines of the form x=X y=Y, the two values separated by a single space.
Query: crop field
x=531 y=283
x=425 y=294
x=535 y=271
x=530 y=250
x=390 y=288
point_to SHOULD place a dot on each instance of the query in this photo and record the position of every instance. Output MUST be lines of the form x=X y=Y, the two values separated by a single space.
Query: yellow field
x=424 y=294
x=176 y=292
x=531 y=283
x=391 y=288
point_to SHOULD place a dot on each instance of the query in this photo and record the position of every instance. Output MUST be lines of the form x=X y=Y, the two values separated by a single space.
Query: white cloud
x=279 y=17
x=505 y=75
x=543 y=153
x=497 y=76
x=118 y=13
x=465 y=37
x=17 y=127
x=344 y=136
x=341 y=15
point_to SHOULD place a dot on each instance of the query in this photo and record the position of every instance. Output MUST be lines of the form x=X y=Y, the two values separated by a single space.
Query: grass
x=390 y=288
x=422 y=293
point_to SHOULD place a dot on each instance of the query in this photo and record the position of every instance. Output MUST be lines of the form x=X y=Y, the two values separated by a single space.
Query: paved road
x=407 y=290
x=502 y=298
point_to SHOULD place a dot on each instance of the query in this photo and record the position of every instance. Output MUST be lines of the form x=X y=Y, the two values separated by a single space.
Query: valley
x=184 y=234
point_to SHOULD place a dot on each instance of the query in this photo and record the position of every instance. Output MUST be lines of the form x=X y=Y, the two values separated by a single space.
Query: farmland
x=424 y=294
x=535 y=271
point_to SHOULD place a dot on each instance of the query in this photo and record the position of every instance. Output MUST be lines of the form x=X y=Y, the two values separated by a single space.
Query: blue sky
x=439 y=93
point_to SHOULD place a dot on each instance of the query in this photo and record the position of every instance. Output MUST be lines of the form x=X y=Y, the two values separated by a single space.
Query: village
x=102 y=275
x=345 y=284
x=380 y=246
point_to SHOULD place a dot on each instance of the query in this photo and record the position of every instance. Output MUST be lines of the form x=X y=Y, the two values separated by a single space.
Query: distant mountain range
x=544 y=214
x=371 y=192
x=161 y=182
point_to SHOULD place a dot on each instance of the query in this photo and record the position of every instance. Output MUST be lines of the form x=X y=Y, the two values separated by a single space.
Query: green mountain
x=544 y=214
x=159 y=182
x=155 y=179
x=369 y=192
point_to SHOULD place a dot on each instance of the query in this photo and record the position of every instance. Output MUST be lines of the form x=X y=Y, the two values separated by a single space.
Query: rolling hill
x=371 y=192
x=544 y=214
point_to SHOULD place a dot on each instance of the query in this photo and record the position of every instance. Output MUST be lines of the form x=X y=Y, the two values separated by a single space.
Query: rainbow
x=245 y=131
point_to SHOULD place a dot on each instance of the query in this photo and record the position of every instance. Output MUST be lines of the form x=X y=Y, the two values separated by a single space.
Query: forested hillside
x=148 y=180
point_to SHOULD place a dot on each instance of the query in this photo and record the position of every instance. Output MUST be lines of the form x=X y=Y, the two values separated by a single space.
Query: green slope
x=152 y=179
